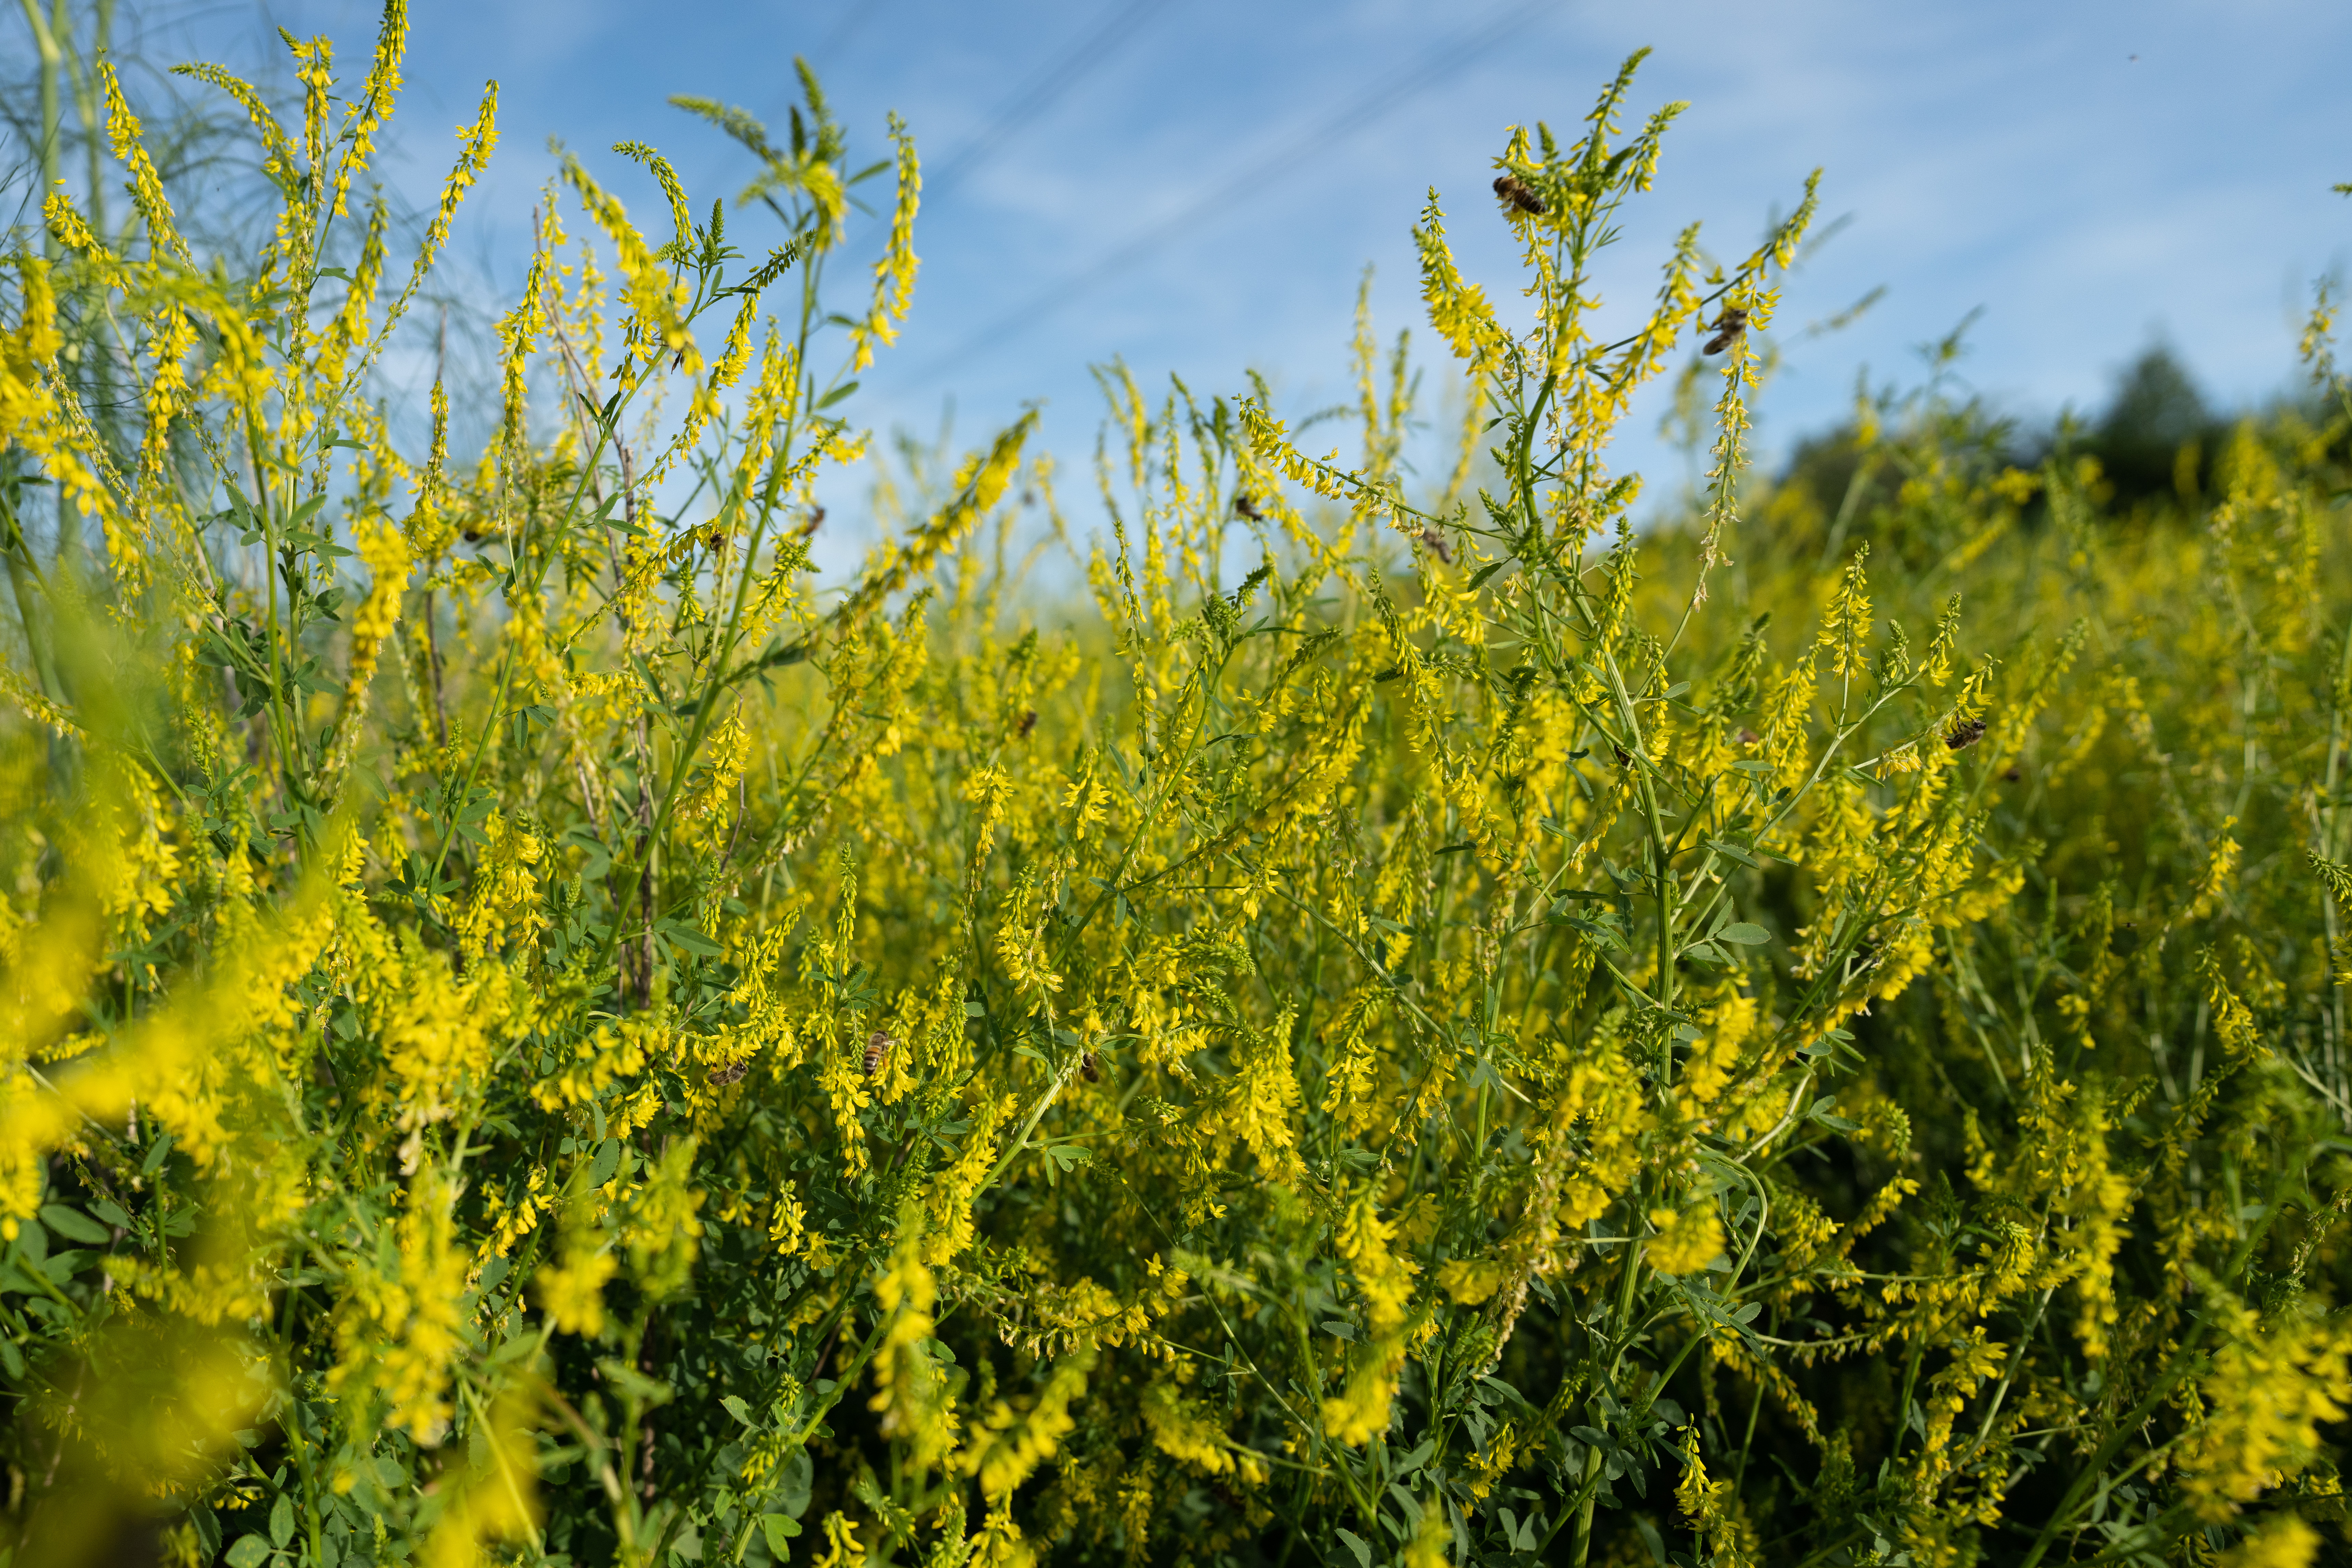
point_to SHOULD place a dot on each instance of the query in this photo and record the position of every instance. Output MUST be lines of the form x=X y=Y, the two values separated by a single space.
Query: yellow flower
x=1686 y=1241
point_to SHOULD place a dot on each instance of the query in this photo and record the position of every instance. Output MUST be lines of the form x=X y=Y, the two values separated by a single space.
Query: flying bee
x=1727 y=328
x=1963 y=736
x=877 y=1051
x=1086 y=1066
x=816 y=515
x=1518 y=193
x=1248 y=509
x=1438 y=545
x=1028 y=721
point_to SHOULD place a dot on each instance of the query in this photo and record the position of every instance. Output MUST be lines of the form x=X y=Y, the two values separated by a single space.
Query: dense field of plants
x=1397 y=1023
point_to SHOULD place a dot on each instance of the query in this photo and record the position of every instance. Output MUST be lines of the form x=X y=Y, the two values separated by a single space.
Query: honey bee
x=1518 y=193
x=816 y=515
x=1248 y=509
x=732 y=1072
x=1727 y=329
x=877 y=1051
x=1028 y=721
x=1086 y=1066
x=1963 y=736
x=1436 y=545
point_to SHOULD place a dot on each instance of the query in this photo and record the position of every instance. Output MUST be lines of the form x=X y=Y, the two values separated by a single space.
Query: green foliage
x=1420 y=1027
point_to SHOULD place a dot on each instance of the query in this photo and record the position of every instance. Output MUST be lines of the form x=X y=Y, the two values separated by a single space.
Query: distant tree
x=2155 y=413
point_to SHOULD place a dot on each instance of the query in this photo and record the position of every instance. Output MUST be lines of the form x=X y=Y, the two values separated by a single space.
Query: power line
x=859 y=13
x=1390 y=92
x=1040 y=94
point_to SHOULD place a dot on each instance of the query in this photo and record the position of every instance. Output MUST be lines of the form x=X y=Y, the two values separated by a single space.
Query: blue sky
x=1199 y=191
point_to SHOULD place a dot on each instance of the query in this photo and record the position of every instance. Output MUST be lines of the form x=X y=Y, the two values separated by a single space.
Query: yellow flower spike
x=1432 y=1541
x=655 y=328
x=842 y=1549
x=572 y=1293
x=124 y=136
x=377 y=95
x=278 y=157
x=894 y=275
x=1847 y=623
x=496 y=1501
x=681 y=218
x=1457 y=309
x=1006 y=1447
x=476 y=141
x=2282 y=1540
x=398 y=1331
x=979 y=484
x=1686 y=1239
x=910 y=1389
x=30 y=347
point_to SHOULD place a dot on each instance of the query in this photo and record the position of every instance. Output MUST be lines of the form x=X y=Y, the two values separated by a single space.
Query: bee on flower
x=1517 y=193
x=1727 y=329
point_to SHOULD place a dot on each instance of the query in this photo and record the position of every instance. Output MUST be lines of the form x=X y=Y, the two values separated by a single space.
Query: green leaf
x=1357 y=1545
x=1731 y=851
x=281 y=1520
x=836 y=394
x=733 y=1405
x=779 y=1529
x=1743 y=934
x=632 y=1384
x=250 y=1552
x=608 y=1160
x=688 y=938
x=75 y=1226
x=800 y=1472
